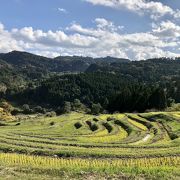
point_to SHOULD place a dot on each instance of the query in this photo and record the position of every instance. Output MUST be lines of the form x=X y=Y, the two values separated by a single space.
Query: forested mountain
x=25 y=61
x=18 y=69
x=151 y=70
x=9 y=77
x=111 y=84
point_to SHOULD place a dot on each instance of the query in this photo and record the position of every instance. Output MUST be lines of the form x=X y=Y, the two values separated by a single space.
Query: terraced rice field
x=78 y=145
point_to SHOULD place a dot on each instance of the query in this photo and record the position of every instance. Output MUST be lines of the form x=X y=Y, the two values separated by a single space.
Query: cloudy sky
x=134 y=29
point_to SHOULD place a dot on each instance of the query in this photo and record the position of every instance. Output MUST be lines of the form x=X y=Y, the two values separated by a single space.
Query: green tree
x=66 y=107
x=96 y=109
x=78 y=106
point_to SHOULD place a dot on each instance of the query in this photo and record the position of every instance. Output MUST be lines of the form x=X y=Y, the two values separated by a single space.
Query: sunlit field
x=85 y=146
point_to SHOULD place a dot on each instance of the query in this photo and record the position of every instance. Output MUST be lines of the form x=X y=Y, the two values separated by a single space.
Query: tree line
x=96 y=92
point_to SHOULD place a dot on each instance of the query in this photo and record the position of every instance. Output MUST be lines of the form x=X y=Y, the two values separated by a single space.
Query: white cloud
x=155 y=9
x=103 y=27
x=104 y=24
x=50 y=38
x=106 y=39
x=177 y=14
x=7 y=43
x=167 y=29
x=62 y=10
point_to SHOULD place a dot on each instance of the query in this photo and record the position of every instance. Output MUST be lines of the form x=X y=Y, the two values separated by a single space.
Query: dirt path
x=146 y=138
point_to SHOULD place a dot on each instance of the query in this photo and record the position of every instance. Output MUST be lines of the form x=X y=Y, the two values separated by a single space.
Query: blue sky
x=135 y=29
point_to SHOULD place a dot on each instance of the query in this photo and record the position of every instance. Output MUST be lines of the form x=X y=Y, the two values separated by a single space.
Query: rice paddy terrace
x=129 y=145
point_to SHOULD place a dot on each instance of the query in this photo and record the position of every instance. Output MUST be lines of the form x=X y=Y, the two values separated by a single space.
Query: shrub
x=173 y=136
x=78 y=125
x=108 y=127
x=18 y=124
x=110 y=119
x=52 y=123
x=6 y=106
x=51 y=114
x=39 y=109
x=93 y=127
x=96 y=109
x=174 y=107
x=95 y=120
x=67 y=107
x=78 y=106
x=124 y=126
x=26 y=109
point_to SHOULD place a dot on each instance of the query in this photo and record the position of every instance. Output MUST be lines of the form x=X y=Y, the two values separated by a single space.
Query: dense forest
x=88 y=84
